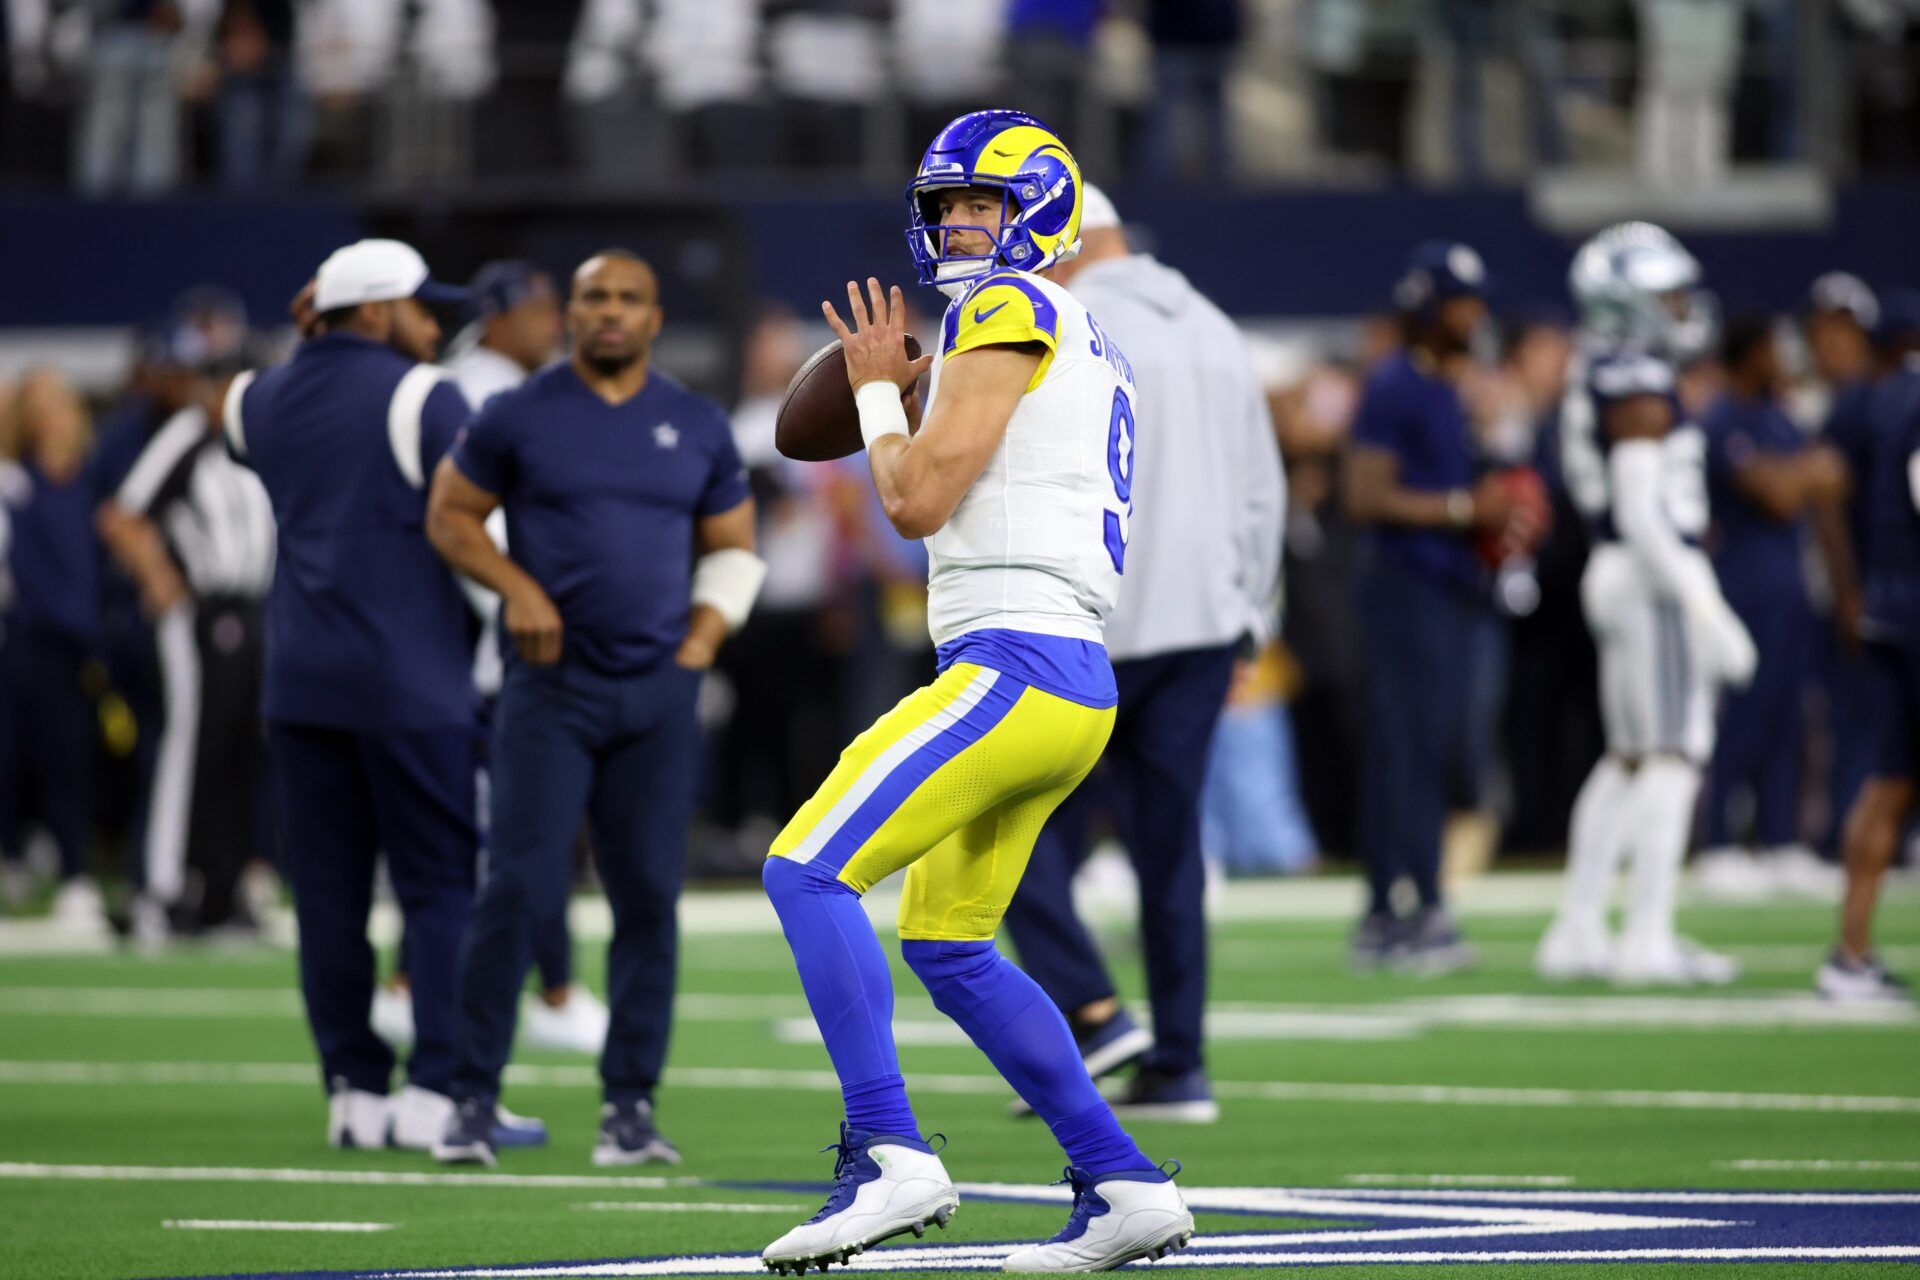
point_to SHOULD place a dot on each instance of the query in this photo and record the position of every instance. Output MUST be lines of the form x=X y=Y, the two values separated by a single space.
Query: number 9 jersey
x=1039 y=542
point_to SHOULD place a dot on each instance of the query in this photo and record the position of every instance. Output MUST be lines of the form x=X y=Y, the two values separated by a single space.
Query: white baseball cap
x=377 y=271
x=1096 y=211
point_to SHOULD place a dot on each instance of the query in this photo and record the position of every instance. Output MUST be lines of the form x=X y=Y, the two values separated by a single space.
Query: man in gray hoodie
x=1203 y=565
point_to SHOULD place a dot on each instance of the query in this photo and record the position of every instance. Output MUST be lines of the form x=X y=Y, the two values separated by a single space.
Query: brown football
x=818 y=420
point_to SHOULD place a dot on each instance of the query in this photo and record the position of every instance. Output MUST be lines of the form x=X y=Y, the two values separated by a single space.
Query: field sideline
x=161 y=1117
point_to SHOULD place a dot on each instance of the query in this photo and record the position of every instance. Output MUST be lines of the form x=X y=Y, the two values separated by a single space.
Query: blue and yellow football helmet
x=1040 y=197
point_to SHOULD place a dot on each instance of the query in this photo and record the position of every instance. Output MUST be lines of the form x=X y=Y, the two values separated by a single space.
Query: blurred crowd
x=148 y=96
x=96 y=564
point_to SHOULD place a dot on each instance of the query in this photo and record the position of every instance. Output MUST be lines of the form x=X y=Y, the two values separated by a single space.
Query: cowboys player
x=1667 y=638
x=1020 y=480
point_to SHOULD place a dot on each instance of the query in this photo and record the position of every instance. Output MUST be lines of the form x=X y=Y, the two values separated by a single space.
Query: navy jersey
x=1893 y=498
x=1849 y=428
x=1600 y=377
x=602 y=501
x=365 y=627
x=1754 y=550
x=53 y=556
x=1418 y=417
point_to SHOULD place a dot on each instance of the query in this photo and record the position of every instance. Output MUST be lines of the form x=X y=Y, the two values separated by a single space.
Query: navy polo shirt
x=1893 y=566
x=1755 y=551
x=1849 y=428
x=602 y=502
x=366 y=629
x=1419 y=419
x=54 y=556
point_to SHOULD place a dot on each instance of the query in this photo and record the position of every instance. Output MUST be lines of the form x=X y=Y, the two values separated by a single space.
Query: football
x=818 y=421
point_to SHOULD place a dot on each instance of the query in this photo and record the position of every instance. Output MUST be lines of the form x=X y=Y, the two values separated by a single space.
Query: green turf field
x=138 y=1092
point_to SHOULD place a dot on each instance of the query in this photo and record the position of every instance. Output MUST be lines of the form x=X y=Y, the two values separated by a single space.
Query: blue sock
x=1012 y=1021
x=844 y=973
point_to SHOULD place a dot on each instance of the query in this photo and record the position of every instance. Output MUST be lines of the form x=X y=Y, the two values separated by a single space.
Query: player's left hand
x=876 y=345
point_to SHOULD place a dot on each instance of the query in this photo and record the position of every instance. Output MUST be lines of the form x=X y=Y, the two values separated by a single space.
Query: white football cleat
x=1728 y=873
x=79 y=911
x=391 y=1016
x=356 y=1118
x=1846 y=979
x=1114 y=1221
x=882 y=1188
x=420 y=1116
x=1574 y=950
x=577 y=1024
x=1671 y=962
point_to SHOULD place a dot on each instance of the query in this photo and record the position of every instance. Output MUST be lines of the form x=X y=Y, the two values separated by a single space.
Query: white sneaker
x=1730 y=874
x=419 y=1118
x=148 y=924
x=1574 y=950
x=1846 y=980
x=392 y=1016
x=577 y=1025
x=79 y=909
x=1113 y=1222
x=356 y=1118
x=1671 y=962
x=882 y=1188
x=1800 y=871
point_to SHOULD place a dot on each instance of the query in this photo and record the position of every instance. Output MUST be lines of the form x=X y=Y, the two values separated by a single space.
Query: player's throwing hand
x=876 y=346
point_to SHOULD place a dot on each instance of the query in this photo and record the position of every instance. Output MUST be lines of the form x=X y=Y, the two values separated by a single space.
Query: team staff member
x=616 y=480
x=1203 y=560
x=518 y=330
x=1410 y=483
x=368 y=695
x=1765 y=480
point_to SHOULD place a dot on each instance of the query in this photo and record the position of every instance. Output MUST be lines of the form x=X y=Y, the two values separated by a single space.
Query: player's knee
x=789 y=883
x=949 y=969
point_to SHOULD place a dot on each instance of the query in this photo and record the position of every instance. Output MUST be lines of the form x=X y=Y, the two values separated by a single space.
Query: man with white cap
x=1203 y=566
x=368 y=695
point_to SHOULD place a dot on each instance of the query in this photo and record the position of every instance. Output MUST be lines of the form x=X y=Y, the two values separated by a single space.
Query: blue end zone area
x=1462 y=1228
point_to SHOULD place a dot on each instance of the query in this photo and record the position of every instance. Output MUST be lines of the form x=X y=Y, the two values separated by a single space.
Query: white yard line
x=690 y=1206
x=1821 y=1166
x=1432 y=1095
x=263 y=1224
x=337 y=1177
x=1458 y=1180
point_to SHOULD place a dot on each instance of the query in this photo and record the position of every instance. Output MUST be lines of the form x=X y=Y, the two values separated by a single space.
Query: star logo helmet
x=1041 y=197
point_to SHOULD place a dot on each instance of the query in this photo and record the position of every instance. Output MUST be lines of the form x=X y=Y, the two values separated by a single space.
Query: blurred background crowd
x=149 y=96
x=745 y=146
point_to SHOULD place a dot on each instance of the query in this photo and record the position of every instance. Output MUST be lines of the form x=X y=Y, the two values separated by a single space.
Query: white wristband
x=881 y=413
x=728 y=581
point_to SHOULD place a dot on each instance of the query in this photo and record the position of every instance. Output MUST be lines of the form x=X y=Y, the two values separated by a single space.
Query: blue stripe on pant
x=1154 y=768
x=622 y=750
x=346 y=798
x=1417 y=635
x=1762 y=727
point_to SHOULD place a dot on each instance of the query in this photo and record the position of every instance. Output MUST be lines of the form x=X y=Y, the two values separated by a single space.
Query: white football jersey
x=1039 y=542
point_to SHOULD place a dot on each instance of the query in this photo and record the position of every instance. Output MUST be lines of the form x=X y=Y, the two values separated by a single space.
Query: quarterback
x=1020 y=481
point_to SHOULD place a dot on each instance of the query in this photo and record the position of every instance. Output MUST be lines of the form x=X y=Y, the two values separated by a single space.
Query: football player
x=1666 y=637
x=1020 y=480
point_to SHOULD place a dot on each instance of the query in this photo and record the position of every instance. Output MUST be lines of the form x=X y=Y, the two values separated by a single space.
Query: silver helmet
x=1625 y=280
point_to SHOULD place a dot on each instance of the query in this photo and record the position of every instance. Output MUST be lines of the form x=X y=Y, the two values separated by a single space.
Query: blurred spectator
x=826 y=61
x=51 y=634
x=1471 y=28
x=780 y=742
x=132 y=121
x=1764 y=480
x=948 y=56
x=1193 y=47
x=265 y=124
x=39 y=39
x=1883 y=75
x=1049 y=60
x=1366 y=53
x=1689 y=54
x=427 y=116
x=345 y=52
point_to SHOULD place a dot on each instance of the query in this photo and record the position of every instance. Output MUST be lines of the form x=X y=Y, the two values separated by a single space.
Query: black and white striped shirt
x=214 y=514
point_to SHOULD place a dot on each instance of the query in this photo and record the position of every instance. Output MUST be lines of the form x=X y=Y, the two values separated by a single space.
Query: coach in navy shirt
x=367 y=693
x=632 y=556
x=1410 y=482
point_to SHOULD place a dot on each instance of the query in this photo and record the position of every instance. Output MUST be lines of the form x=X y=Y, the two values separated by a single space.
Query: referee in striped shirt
x=195 y=531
